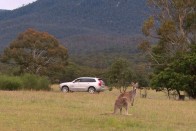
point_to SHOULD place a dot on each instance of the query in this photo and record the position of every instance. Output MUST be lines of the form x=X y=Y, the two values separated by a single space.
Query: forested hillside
x=84 y=26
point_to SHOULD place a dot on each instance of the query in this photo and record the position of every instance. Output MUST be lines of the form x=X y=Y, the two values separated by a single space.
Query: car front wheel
x=65 y=89
x=91 y=90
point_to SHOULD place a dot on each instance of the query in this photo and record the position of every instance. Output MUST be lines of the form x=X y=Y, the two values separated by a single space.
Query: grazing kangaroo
x=124 y=99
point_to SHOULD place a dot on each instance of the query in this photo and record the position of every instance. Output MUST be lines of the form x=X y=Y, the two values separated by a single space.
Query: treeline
x=12 y=79
x=100 y=50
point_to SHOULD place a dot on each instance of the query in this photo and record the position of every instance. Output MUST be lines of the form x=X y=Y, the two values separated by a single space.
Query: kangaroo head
x=134 y=85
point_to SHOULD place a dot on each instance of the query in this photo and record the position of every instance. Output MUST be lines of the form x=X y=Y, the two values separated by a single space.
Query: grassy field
x=57 y=111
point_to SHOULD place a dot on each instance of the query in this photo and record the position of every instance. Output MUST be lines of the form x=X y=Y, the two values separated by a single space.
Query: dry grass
x=51 y=111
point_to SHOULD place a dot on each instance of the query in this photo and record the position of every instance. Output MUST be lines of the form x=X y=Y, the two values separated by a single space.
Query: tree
x=170 y=34
x=120 y=75
x=180 y=75
x=36 y=52
x=185 y=67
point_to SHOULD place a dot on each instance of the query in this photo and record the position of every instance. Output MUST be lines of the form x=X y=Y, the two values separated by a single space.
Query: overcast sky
x=13 y=4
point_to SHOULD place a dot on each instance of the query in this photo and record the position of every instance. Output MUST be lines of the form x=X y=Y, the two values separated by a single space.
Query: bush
x=25 y=82
x=33 y=82
x=10 y=83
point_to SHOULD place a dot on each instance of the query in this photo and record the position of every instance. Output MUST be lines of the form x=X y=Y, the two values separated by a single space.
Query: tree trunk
x=181 y=97
x=168 y=93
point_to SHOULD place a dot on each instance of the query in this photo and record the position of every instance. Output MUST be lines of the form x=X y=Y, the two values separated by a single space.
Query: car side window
x=92 y=80
x=83 y=80
x=87 y=80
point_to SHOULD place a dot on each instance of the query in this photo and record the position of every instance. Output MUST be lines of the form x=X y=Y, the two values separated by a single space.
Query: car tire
x=65 y=89
x=91 y=90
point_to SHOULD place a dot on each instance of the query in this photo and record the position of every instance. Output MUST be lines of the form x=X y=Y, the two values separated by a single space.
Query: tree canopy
x=36 y=52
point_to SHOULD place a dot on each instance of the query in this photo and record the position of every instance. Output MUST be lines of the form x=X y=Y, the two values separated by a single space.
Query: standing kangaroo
x=124 y=99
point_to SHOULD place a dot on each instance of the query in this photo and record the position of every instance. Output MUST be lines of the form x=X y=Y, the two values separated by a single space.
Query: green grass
x=57 y=111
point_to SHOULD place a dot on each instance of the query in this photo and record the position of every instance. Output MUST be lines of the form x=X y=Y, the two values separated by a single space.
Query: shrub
x=25 y=82
x=10 y=83
x=33 y=82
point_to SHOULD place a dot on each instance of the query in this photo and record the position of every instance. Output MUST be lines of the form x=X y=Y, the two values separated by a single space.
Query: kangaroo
x=124 y=99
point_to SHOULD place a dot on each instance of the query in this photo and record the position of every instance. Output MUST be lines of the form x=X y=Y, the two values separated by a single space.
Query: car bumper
x=101 y=89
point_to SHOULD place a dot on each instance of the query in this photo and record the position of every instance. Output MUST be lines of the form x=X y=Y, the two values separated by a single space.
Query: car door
x=79 y=85
x=75 y=86
x=82 y=85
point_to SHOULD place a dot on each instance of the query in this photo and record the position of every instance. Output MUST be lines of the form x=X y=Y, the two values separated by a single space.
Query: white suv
x=89 y=84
